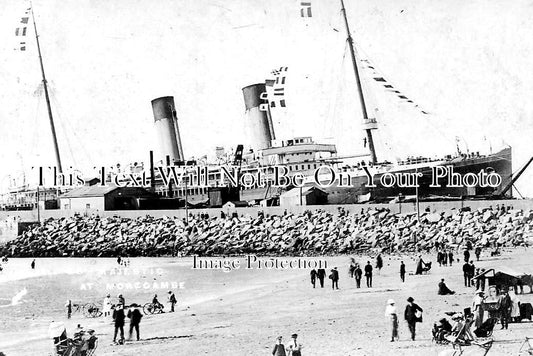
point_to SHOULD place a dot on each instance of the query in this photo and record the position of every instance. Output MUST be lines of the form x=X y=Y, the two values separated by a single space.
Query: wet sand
x=240 y=312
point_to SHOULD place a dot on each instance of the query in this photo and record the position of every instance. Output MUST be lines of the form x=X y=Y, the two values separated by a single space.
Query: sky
x=465 y=63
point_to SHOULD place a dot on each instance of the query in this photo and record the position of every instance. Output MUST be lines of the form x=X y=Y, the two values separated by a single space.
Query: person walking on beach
x=467 y=255
x=439 y=258
x=33 y=264
x=135 y=316
x=279 y=348
x=413 y=315
x=477 y=251
x=420 y=265
x=121 y=300
x=368 y=274
x=321 y=274
x=472 y=272
x=450 y=257
x=358 y=274
x=352 y=267
x=506 y=304
x=119 y=317
x=466 y=274
x=106 y=306
x=313 y=277
x=334 y=276
x=379 y=263
x=172 y=300
x=392 y=314
x=402 y=271
x=294 y=347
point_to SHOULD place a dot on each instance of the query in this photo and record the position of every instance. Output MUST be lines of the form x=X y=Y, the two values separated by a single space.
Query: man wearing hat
x=505 y=308
x=119 y=317
x=410 y=315
x=294 y=348
x=279 y=348
x=334 y=276
x=135 y=316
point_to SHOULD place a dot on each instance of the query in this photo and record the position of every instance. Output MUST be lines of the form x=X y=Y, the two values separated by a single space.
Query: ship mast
x=47 y=97
x=369 y=124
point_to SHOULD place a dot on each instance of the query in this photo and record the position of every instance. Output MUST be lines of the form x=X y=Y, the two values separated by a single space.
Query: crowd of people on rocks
x=310 y=232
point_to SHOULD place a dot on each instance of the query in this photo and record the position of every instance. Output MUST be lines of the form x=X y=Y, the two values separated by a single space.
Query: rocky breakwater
x=309 y=233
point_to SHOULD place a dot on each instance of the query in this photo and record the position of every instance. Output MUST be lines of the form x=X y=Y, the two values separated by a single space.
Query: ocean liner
x=302 y=155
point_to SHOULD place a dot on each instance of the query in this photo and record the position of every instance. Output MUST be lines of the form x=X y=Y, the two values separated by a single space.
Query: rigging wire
x=429 y=122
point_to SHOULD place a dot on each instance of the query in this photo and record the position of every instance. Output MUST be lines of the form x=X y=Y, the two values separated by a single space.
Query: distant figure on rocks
x=321 y=274
x=358 y=274
x=467 y=255
x=294 y=347
x=33 y=264
x=119 y=260
x=392 y=314
x=368 y=274
x=313 y=277
x=413 y=315
x=334 y=276
x=402 y=271
x=279 y=348
x=443 y=288
x=379 y=263
x=172 y=300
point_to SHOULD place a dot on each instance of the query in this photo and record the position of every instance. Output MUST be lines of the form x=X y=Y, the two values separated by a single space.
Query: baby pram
x=84 y=343
x=486 y=328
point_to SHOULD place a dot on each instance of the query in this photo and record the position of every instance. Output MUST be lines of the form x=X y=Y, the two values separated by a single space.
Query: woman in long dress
x=392 y=314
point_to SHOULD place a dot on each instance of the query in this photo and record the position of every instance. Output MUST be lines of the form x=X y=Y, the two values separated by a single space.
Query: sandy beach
x=240 y=312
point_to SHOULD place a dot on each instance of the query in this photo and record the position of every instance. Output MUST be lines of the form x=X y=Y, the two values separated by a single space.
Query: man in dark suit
x=119 y=317
x=313 y=277
x=334 y=276
x=368 y=274
x=466 y=274
x=402 y=271
x=411 y=317
x=358 y=275
x=135 y=316
x=321 y=274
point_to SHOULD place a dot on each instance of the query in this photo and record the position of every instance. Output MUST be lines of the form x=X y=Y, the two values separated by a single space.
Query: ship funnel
x=166 y=123
x=258 y=121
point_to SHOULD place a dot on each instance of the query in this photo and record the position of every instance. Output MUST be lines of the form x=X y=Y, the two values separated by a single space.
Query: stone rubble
x=310 y=233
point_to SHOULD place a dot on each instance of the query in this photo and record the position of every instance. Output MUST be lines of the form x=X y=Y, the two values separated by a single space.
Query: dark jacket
x=313 y=274
x=119 y=317
x=334 y=276
x=321 y=273
x=358 y=273
x=368 y=270
x=172 y=298
x=135 y=316
x=279 y=350
x=466 y=269
x=402 y=269
x=410 y=313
